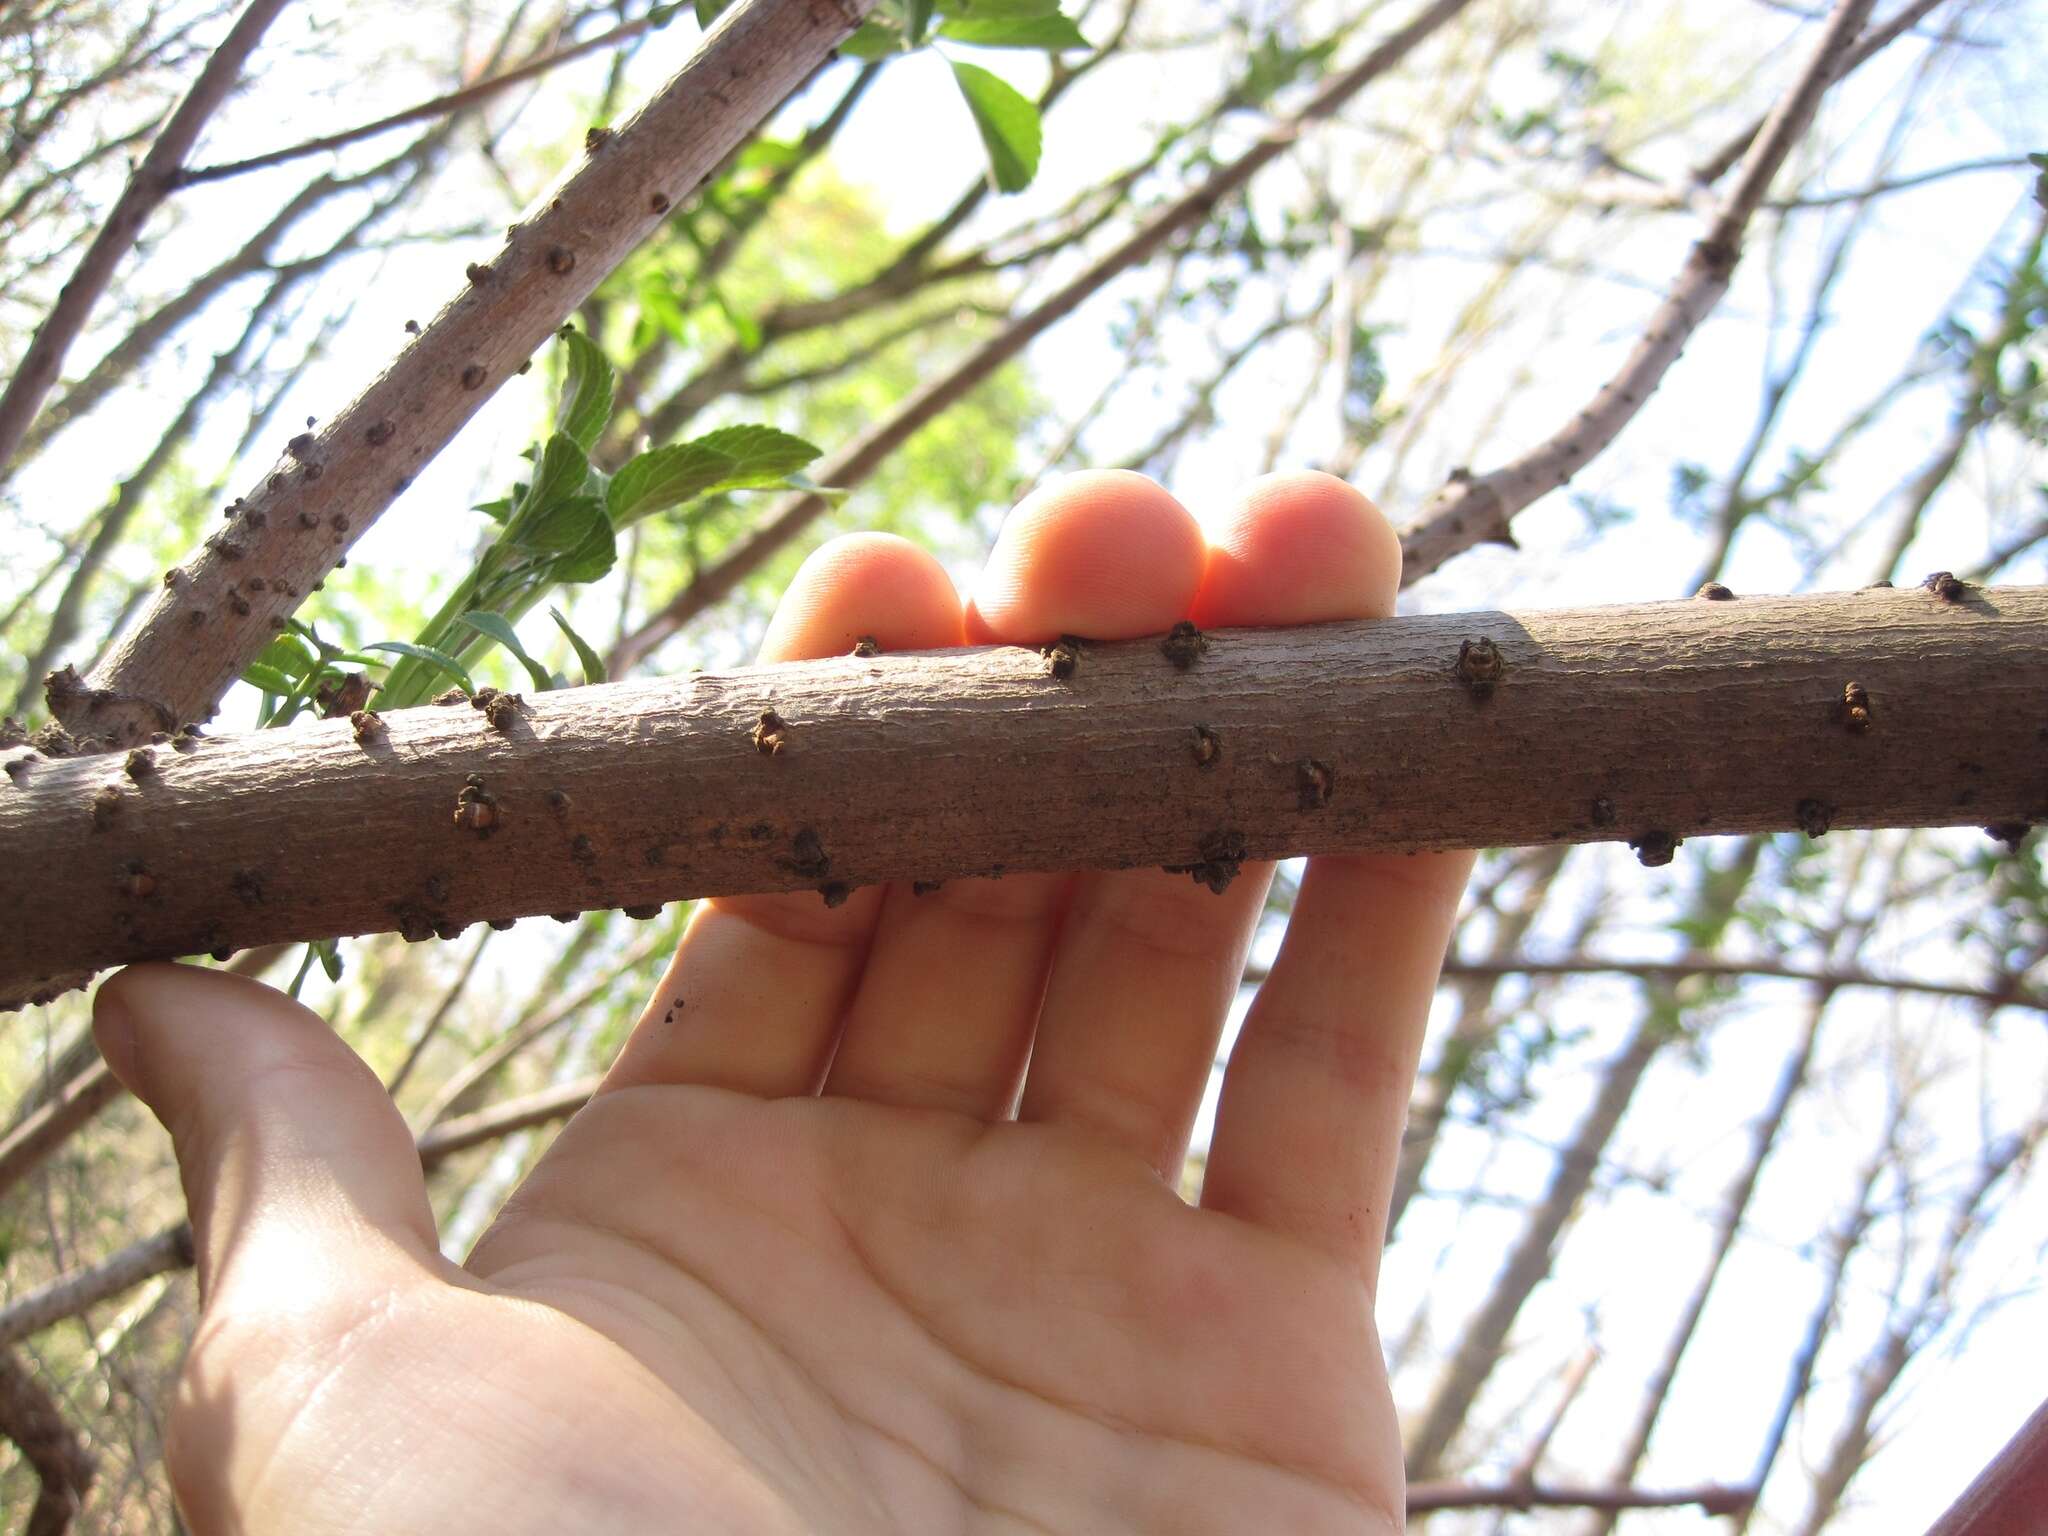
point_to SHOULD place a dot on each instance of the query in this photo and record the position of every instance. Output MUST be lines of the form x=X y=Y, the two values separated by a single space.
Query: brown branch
x=123 y=225
x=440 y=106
x=2009 y=995
x=1475 y=509
x=1649 y=722
x=1712 y=1498
x=2010 y=1493
x=522 y=1114
x=212 y=619
x=32 y=1419
x=40 y=1133
x=860 y=458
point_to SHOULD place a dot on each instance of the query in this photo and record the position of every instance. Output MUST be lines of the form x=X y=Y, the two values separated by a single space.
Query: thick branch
x=1649 y=723
x=212 y=617
x=1477 y=509
x=138 y=200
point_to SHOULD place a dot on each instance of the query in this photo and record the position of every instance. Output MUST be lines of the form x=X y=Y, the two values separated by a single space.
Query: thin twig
x=149 y=185
x=439 y=106
x=1475 y=509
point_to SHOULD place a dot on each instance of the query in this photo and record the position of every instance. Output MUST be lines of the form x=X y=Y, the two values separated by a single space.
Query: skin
x=823 y=1255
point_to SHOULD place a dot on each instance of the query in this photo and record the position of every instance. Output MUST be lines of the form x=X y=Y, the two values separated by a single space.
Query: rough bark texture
x=1646 y=723
x=218 y=611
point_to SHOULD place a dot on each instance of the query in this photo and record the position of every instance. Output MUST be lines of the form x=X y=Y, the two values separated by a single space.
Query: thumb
x=298 y=1170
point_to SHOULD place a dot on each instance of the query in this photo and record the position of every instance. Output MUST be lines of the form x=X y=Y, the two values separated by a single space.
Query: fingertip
x=1300 y=547
x=1103 y=553
x=860 y=586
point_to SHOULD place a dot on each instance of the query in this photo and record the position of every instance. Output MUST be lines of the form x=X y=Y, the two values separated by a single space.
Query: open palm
x=874 y=1224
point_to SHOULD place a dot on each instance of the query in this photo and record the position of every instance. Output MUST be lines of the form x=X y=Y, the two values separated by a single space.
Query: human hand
x=822 y=1254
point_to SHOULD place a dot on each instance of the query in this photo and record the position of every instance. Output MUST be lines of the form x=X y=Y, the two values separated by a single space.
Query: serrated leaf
x=269 y=679
x=560 y=474
x=494 y=625
x=872 y=40
x=1008 y=125
x=730 y=459
x=497 y=511
x=594 y=553
x=440 y=661
x=564 y=526
x=586 y=403
x=1055 y=32
x=289 y=655
x=593 y=664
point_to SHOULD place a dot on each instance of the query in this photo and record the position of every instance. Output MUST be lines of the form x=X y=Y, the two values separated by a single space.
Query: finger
x=945 y=1011
x=1148 y=963
x=298 y=1171
x=759 y=984
x=1308 y=1131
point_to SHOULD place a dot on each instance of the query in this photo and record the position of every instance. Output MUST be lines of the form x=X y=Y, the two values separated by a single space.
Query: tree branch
x=211 y=619
x=149 y=185
x=30 y=1417
x=1712 y=1498
x=2008 y=1493
x=1478 y=509
x=1650 y=722
x=440 y=106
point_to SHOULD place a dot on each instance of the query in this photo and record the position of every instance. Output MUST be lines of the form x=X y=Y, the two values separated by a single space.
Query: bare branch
x=1475 y=509
x=425 y=111
x=146 y=188
x=31 y=1418
x=211 y=621
x=1712 y=1498
x=2011 y=995
x=1649 y=722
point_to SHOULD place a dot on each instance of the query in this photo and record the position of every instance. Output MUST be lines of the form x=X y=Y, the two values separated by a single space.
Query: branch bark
x=212 y=619
x=152 y=181
x=2007 y=1497
x=1648 y=722
x=31 y=1418
x=1712 y=1498
x=1476 y=509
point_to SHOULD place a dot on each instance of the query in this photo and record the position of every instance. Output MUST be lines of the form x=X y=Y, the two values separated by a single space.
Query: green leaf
x=290 y=655
x=564 y=526
x=708 y=10
x=269 y=679
x=1007 y=122
x=594 y=553
x=440 y=661
x=979 y=10
x=593 y=664
x=917 y=19
x=497 y=511
x=586 y=403
x=872 y=40
x=1055 y=32
x=560 y=478
x=730 y=459
x=494 y=625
